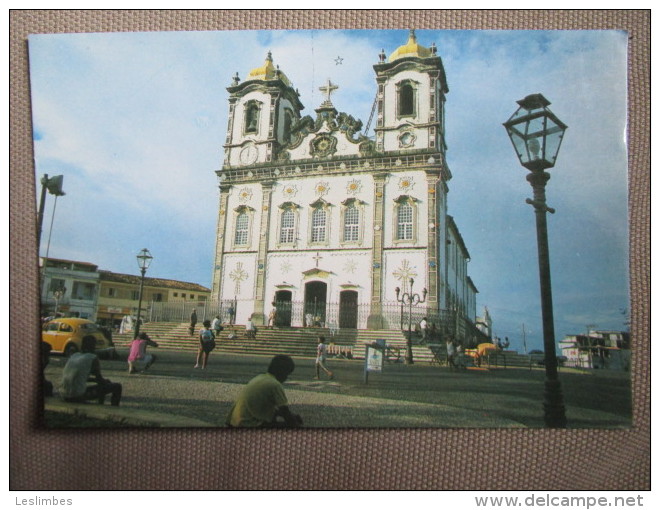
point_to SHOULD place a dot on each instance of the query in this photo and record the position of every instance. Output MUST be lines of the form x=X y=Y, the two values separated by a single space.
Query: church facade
x=333 y=226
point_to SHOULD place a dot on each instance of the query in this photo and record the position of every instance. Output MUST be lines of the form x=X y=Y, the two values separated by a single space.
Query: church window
x=241 y=232
x=242 y=227
x=404 y=222
x=406 y=99
x=287 y=228
x=405 y=217
x=318 y=225
x=351 y=223
x=288 y=121
x=252 y=117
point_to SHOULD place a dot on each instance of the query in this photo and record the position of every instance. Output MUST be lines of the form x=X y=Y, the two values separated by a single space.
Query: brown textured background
x=435 y=459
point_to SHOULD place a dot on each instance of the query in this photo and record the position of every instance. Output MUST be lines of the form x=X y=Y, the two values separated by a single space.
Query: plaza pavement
x=172 y=394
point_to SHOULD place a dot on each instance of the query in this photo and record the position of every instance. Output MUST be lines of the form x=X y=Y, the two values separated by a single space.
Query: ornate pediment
x=317 y=273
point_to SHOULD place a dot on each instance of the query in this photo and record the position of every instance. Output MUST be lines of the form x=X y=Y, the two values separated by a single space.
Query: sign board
x=373 y=360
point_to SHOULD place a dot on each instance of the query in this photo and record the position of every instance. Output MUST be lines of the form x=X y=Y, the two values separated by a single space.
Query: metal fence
x=392 y=316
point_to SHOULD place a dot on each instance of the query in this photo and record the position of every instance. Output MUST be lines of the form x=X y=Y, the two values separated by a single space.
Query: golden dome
x=411 y=49
x=268 y=72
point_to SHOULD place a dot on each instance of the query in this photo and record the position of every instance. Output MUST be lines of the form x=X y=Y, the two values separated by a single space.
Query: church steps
x=296 y=342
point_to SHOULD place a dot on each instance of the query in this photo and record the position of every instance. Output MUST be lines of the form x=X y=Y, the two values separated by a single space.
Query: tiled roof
x=109 y=276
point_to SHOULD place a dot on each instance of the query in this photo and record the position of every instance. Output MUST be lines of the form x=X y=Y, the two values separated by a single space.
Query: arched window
x=287 y=226
x=405 y=219
x=252 y=117
x=286 y=128
x=242 y=228
x=351 y=223
x=406 y=99
x=319 y=219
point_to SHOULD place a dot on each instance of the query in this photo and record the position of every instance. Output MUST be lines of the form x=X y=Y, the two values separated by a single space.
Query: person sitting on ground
x=321 y=350
x=138 y=359
x=83 y=367
x=206 y=344
x=262 y=402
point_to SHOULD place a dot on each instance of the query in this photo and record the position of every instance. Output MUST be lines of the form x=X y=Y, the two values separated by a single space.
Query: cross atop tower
x=328 y=89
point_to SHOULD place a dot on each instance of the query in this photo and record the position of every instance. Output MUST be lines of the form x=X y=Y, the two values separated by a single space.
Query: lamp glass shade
x=535 y=132
x=144 y=259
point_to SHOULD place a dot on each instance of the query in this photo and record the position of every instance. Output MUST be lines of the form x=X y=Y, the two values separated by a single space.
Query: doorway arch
x=348 y=309
x=283 y=305
x=315 y=303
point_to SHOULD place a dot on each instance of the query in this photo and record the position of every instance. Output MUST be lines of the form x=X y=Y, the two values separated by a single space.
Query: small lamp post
x=536 y=134
x=144 y=259
x=411 y=300
x=58 y=294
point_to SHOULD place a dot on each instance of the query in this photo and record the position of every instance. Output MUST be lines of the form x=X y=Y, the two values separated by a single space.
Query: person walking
x=206 y=345
x=451 y=353
x=424 y=328
x=138 y=359
x=272 y=316
x=321 y=350
x=193 y=322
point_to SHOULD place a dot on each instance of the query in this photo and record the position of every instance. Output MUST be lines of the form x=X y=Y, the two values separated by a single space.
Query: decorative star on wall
x=350 y=266
x=290 y=190
x=244 y=195
x=338 y=61
x=406 y=183
x=353 y=187
x=321 y=189
x=285 y=267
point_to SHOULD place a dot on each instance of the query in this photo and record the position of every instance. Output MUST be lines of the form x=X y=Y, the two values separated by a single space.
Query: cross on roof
x=328 y=89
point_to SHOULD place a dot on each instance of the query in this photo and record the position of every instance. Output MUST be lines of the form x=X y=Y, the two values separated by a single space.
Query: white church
x=327 y=223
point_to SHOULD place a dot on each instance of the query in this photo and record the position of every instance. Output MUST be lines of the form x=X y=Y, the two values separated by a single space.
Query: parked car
x=65 y=336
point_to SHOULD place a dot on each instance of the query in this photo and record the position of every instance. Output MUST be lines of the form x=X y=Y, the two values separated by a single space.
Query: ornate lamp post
x=144 y=259
x=411 y=300
x=536 y=134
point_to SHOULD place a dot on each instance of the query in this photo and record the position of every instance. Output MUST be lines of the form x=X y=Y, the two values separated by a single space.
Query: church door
x=315 y=299
x=283 y=304
x=348 y=309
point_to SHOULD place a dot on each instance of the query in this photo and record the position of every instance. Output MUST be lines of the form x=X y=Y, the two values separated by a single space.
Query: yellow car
x=65 y=335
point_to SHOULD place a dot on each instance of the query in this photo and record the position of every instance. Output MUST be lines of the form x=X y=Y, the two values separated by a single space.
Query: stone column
x=259 y=313
x=375 y=319
x=221 y=229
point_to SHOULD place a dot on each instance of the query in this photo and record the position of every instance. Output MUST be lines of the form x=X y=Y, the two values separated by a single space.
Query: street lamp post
x=144 y=259
x=536 y=134
x=411 y=300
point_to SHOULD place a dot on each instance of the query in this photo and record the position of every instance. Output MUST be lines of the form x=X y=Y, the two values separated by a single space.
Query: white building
x=327 y=222
x=69 y=287
x=597 y=349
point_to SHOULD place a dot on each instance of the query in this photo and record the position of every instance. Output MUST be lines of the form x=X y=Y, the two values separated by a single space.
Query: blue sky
x=136 y=122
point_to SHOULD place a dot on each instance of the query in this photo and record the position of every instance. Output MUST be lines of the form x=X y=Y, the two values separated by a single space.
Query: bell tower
x=411 y=97
x=262 y=109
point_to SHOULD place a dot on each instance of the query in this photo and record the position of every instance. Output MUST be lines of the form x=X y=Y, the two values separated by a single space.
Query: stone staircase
x=301 y=342
x=296 y=342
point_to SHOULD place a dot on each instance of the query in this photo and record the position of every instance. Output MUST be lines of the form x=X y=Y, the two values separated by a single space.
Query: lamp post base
x=554 y=412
